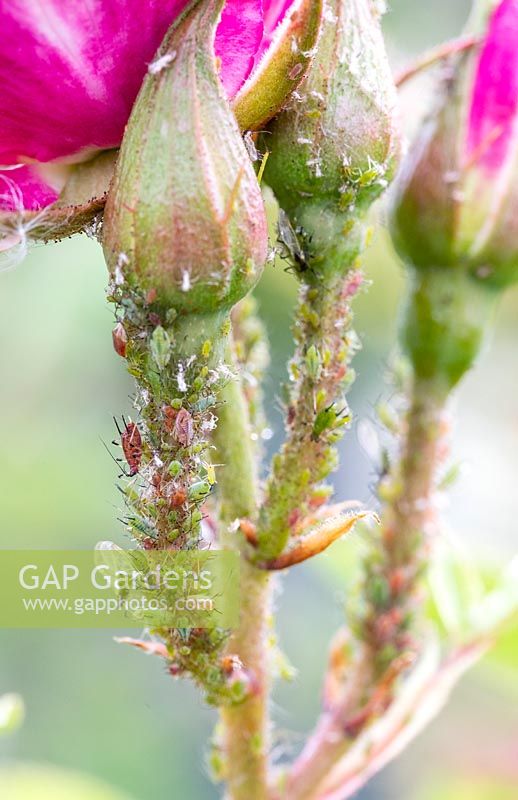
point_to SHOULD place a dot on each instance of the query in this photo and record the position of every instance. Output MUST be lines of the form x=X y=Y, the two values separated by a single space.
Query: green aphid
x=368 y=177
x=313 y=363
x=385 y=463
x=449 y=478
x=139 y=561
x=204 y=403
x=329 y=419
x=388 y=418
x=153 y=377
x=199 y=490
x=132 y=496
x=135 y=372
x=175 y=468
x=324 y=420
x=211 y=473
x=196 y=517
x=141 y=525
x=160 y=346
x=347 y=199
x=378 y=591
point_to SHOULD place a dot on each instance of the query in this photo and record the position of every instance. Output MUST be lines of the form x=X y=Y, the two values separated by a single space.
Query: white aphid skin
x=161 y=63
x=186 y=281
x=180 y=379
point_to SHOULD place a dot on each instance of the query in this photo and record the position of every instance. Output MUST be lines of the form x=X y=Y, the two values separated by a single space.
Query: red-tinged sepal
x=282 y=67
x=184 y=215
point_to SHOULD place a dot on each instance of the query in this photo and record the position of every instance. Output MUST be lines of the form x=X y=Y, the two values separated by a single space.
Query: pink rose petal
x=494 y=106
x=274 y=13
x=238 y=39
x=23 y=189
x=70 y=71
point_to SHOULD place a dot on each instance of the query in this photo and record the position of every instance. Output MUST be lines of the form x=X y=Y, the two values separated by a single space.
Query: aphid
x=170 y=415
x=131 y=442
x=397 y=581
x=289 y=238
x=148 y=543
x=178 y=498
x=120 y=339
x=199 y=490
x=230 y=664
x=140 y=525
x=160 y=344
x=151 y=296
x=156 y=481
x=184 y=633
x=329 y=419
x=154 y=319
x=251 y=149
x=183 y=427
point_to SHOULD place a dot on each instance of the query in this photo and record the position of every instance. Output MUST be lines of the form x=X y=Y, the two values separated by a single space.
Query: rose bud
x=456 y=201
x=333 y=150
x=185 y=215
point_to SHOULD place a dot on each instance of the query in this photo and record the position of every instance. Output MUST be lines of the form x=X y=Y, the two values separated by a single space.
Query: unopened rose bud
x=185 y=216
x=456 y=203
x=334 y=149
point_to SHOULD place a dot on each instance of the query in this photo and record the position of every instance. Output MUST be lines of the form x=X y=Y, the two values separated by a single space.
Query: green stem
x=317 y=409
x=403 y=551
x=177 y=362
x=397 y=563
x=445 y=318
x=245 y=725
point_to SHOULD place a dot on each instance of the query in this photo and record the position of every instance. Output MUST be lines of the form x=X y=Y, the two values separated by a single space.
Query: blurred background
x=113 y=714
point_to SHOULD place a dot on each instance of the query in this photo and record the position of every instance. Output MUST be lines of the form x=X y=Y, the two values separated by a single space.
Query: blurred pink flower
x=493 y=117
x=456 y=199
x=70 y=72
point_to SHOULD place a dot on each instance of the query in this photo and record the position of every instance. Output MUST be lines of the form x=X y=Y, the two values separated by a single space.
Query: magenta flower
x=493 y=115
x=458 y=191
x=70 y=72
